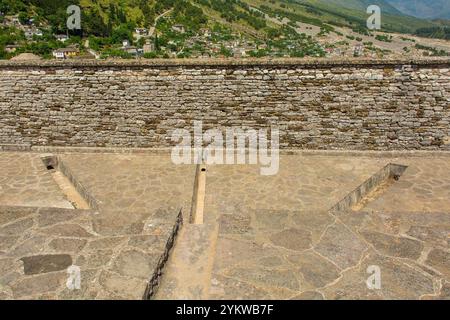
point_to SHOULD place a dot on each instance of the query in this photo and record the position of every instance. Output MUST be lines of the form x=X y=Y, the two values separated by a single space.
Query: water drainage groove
x=370 y=189
x=198 y=198
x=155 y=280
x=72 y=189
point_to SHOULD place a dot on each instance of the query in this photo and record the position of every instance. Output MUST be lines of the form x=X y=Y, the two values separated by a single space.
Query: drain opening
x=70 y=191
x=198 y=197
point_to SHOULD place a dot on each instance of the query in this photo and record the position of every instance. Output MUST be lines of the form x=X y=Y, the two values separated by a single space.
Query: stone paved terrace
x=119 y=246
x=309 y=232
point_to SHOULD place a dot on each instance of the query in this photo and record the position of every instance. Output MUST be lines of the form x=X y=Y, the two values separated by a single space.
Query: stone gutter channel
x=82 y=199
x=69 y=185
x=371 y=188
x=155 y=279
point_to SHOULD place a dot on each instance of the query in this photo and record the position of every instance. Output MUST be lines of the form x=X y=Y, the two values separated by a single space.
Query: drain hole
x=65 y=182
x=203 y=169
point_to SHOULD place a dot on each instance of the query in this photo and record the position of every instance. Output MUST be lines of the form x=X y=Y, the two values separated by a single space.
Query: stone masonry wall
x=361 y=105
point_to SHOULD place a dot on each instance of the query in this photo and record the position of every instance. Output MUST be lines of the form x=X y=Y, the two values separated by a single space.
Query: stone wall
x=379 y=105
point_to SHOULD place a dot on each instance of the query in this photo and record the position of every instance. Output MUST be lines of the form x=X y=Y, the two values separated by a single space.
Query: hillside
x=427 y=9
x=363 y=4
x=197 y=28
x=143 y=12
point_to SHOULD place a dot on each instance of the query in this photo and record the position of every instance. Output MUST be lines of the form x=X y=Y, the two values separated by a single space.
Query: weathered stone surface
x=440 y=260
x=341 y=246
x=67 y=244
x=352 y=286
x=6 y=265
x=139 y=199
x=266 y=277
x=88 y=287
x=314 y=221
x=7 y=242
x=106 y=243
x=317 y=272
x=230 y=252
x=9 y=214
x=67 y=230
x=146 y=93
x=435 y=234
x=46 y=263
x=271 y=219
x=5 y=295
x=398 y=279
x=445 y=291
x=136 y=264
x=17 y=227
x=394 y=246
x=148 y=242
x=132 y=288
x=31 y=246
x=233 y=223
x=112 y=225
x=94 y=259
x=39 y=284
x=309 y=295
x=227 y=288
x=9 y=278
x=51 y=216
x=293 y=239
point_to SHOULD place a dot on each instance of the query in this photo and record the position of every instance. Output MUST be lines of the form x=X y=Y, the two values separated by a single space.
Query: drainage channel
x=65 y=180
x=371 y=189
x=198 y=197
x=188 y=272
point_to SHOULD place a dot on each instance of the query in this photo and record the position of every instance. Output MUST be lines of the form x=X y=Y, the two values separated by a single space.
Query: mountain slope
x=353 y=13
x=363 y=4
x=428 y=9
x=100 y=17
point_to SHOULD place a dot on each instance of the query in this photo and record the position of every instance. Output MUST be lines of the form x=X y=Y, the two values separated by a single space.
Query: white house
x=125 y=43
x=178 y=28
x=58 y=54
x=141 y=31
x=62 y=37
x=66 y=52
x=148 y=47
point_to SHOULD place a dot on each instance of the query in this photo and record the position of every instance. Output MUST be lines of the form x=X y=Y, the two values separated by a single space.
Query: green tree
x=121 y=33
x=23 y=18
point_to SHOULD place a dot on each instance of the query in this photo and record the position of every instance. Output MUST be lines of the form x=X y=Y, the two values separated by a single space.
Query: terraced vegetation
x=210 y=28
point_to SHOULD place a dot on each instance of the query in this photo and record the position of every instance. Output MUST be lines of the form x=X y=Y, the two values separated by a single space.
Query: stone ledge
x=288 y=151
x=278 y=62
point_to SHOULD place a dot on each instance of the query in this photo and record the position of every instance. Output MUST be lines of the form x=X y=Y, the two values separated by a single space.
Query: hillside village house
x=11 y=48
x=141 y=31
x=358 y=50
x=148 y=46
x=133 y=50
x=206 y=32
x=65 y=53
x=62 y=37
x=178 y=28
x=125 y=43
x=33 y=32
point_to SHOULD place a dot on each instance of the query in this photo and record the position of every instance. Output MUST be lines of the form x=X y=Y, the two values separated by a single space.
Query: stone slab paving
x=118 y=247
x=24 y=181
x=275 y=238
x=263 y=237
